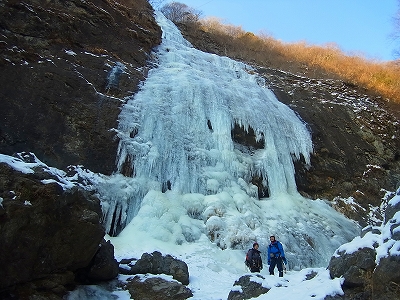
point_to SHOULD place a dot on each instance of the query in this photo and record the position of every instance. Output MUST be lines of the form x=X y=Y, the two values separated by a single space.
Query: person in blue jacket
x=276 y=256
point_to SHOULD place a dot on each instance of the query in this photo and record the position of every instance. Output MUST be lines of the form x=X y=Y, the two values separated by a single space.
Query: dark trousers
x=255 y=269
x=276 y=261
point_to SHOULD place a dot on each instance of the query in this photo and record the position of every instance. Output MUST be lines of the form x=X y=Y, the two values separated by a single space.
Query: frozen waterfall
x=187 y=176
x=177 y=129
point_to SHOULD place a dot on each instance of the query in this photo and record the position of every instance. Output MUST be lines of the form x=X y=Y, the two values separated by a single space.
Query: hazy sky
x=356 y=26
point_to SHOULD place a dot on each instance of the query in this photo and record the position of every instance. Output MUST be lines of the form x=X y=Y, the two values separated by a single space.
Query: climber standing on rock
x=276 y=256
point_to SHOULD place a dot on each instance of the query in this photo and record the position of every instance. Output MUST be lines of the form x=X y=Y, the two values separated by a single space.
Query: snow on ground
x=213 y=271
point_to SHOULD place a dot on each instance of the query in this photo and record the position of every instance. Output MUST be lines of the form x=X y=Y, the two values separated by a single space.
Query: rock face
x=66 y=67
x=355 y=150
x=156 y=263
x=372 y=272
x=250 y=286
x=46 y=232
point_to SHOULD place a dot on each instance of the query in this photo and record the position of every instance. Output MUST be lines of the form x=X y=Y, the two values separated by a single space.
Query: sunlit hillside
x=378 y=77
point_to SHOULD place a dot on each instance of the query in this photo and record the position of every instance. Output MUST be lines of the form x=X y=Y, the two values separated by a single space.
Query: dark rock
x=370 y=228
x=387 y=274
x=336 y=297
x=103 y=267
x=52 y=287
x=155 y=263
x=364 y=278
x=356 y=268
x=249 y=288
x=155 y=288
x=311 y=275
x=44 y=229
x=391 y=210
x=61 y=92
x=126 y=261
x=246 y=137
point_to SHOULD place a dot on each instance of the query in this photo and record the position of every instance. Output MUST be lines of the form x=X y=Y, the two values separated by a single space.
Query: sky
x=361 y=27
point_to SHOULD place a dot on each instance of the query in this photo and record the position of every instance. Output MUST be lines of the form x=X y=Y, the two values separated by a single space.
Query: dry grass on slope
x=382 y=78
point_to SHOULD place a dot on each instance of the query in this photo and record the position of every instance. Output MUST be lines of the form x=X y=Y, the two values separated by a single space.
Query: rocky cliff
x=65 y=68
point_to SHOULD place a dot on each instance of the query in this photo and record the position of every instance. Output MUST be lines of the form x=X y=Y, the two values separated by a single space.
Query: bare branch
x=180 y=13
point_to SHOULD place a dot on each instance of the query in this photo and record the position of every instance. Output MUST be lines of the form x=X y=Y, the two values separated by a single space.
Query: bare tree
x=396 y=33
x=180 y=13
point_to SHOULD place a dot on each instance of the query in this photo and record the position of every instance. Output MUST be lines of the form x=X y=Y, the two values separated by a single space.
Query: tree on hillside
x=180 y=13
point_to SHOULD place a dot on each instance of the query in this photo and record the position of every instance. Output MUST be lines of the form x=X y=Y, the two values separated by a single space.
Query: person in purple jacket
x=253 y=259
x=276 y=256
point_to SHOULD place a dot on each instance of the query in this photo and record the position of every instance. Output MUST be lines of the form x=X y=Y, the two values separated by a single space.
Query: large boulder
x=151 y=288
x=356 y=268
x=156 y=263
x=372 y=271
x=247 y=287
x=46 y=229
x=103 y=267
